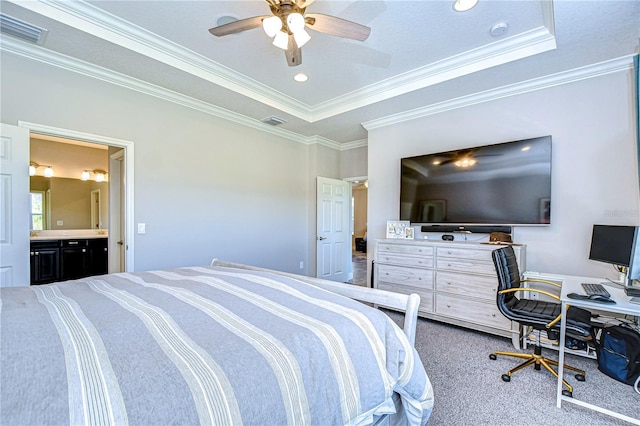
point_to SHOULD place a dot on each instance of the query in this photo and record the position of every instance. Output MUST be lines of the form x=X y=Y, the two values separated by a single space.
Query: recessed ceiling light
x=301 y=77
x=464 y=5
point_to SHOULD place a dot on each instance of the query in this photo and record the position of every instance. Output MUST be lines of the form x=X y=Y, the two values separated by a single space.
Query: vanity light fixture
x=85 y=175
x=33 y=167
x=100 y=175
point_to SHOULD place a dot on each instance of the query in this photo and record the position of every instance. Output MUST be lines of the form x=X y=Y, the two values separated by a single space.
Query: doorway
x=359 y=190
x=120 y=213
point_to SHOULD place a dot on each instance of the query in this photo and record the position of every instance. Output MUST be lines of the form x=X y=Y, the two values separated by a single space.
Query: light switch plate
x=142 y=228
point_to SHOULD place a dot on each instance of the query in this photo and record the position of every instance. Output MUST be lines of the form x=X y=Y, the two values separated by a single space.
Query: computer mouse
x=600 y=298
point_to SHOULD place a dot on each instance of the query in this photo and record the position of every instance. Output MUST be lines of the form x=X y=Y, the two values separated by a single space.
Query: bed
x=223 y=344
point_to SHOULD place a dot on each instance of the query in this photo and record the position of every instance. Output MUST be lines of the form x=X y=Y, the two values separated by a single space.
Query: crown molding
x=354 y=144
x=39 y=54
x=623 y=63
x=92 y=20
x=536 y=41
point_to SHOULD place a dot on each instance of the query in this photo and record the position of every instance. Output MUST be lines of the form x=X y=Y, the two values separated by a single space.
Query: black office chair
x=539 y=315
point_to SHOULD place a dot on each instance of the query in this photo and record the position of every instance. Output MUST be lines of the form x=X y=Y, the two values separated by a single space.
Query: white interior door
x=116 y=212
x=333 y=235
x=15 y=206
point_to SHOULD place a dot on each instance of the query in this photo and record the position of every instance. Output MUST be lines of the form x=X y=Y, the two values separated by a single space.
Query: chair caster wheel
x=506 y=377
x=567 y=393
x=493 y=357
x=580 y=377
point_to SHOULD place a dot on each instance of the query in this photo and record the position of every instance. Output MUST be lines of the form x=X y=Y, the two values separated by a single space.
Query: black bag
x=618 y=352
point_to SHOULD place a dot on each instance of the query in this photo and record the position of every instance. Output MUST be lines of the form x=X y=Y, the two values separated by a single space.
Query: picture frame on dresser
x=400 y=229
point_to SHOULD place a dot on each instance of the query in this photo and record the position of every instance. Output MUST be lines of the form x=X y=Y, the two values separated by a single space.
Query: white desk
x=571 y=284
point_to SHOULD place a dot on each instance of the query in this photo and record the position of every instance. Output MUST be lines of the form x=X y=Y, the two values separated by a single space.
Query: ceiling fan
x=287 y=27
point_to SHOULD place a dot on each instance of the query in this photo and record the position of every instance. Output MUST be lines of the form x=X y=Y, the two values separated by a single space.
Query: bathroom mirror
x=70 y=203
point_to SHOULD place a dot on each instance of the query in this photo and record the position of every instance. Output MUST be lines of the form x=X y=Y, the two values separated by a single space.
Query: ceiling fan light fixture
x=295 y=22
x=464 y=5
x=465 y=162
x=271 y=25
x=301 y=37
x=281 y=40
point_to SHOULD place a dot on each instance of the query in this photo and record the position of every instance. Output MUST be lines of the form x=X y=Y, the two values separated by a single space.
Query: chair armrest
x=530 y=290
x=535 y=280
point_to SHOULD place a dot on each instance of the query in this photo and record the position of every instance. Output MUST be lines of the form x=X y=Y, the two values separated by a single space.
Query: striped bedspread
x=201 y=345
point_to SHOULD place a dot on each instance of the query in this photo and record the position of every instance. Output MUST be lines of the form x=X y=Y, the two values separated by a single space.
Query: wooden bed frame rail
x=400 y=302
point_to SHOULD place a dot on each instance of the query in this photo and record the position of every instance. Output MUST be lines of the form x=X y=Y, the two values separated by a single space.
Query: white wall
x=205 y=187
x=594 y=162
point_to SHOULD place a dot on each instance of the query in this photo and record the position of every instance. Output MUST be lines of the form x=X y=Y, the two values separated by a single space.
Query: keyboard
x=593 y=288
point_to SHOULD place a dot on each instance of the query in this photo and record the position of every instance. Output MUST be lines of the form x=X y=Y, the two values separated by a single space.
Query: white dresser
x=456 y=281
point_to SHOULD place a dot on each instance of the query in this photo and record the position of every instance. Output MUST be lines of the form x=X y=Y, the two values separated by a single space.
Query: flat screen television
x=503 y=184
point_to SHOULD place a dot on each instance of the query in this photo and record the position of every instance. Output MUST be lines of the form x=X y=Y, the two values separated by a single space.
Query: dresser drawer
x=463 y=253
x=419 y=250
x=426 y=296
x=419 y=278
x=422 y=262
x=474 y=311
x=477 y=286
x=467 y=266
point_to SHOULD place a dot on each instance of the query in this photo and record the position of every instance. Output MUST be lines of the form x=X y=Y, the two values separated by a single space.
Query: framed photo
x=400 y=229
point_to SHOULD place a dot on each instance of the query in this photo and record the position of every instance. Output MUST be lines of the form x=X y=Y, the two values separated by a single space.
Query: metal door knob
x=321 y=238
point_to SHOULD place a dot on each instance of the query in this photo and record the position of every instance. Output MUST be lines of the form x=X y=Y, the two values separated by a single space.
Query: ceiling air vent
x=22 y=30
x=274 y=121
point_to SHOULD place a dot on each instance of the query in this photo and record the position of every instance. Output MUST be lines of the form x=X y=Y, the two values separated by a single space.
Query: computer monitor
x=616 y=244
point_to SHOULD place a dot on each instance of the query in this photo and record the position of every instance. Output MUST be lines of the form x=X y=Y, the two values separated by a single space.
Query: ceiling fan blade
x=304 y=3
x=293 y=53
x=237 y=26
x=337 y=26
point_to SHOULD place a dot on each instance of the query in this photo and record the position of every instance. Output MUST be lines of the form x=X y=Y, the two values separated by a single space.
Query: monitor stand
x=632 y=291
